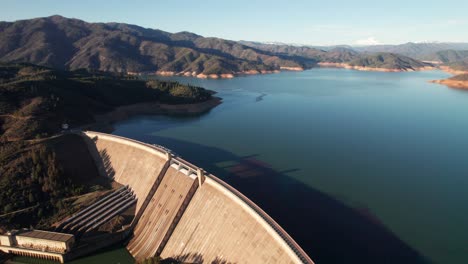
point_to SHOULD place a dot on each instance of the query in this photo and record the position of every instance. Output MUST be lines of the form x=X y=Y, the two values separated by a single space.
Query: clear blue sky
x=324 y=22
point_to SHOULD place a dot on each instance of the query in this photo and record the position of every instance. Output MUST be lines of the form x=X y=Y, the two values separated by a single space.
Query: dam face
x=186 y=214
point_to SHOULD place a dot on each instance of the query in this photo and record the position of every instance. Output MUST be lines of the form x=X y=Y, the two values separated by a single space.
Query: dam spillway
x=186 y=214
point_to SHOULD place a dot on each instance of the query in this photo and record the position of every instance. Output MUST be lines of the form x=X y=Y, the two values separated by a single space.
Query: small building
x=37 y=243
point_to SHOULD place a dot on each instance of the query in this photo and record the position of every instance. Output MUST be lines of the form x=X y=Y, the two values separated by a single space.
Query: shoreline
x=449 y=82
x=213 y=76
x=452 y=71
x=281 y=69
x=104 y=122
x=362 y=68
x=463 y=85
x=217 y=76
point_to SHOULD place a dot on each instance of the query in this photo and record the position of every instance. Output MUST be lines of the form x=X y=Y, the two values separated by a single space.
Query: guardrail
x=153 y=146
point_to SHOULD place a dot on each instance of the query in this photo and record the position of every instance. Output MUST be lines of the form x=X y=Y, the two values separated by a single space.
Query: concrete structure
x=187 y=214
x=37 y=243
x=99 y=213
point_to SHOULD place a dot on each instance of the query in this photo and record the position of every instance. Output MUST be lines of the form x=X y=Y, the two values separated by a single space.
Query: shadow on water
x=328 y=230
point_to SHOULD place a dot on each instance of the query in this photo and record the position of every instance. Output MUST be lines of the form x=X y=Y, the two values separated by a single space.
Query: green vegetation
x=448 y=56
x=40 y=177
x=35 y=101
x=36 y=179
x=388 y=61
x=459 y=65
x=307 y=54
x=175 y=92
x=72 y=44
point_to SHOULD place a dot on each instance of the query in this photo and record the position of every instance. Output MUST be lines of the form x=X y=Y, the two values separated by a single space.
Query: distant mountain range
x=388 y=61
x=415 y=50
x=71 y=44
x=420 y=51
x=448 y=56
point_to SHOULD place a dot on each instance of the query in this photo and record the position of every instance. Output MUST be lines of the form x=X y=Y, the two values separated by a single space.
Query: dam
x=185 y=213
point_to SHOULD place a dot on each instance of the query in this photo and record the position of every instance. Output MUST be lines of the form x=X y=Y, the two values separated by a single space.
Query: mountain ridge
x=70 y=44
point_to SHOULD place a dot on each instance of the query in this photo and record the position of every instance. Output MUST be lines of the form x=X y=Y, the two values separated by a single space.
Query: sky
x=328 y=22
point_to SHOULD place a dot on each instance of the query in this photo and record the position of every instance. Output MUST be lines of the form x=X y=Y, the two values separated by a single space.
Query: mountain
x=285 y=49
x=448 y=56
x=332 y=54
x=460 y=66
x=71 y=44
x=388 y=61
x=414 y=50
x=340 y=54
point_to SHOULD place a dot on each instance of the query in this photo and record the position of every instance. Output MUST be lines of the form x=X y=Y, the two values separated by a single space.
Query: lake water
x=359 y=167
x=364 y=167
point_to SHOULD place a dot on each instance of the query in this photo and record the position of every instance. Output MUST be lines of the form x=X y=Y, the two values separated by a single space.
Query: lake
x=359 y=167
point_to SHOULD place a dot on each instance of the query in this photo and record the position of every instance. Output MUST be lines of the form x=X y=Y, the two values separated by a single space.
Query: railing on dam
x=298 y=251
x=153 y=146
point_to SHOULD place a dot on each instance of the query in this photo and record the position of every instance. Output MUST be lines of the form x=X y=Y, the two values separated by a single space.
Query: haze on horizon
x=362 y=22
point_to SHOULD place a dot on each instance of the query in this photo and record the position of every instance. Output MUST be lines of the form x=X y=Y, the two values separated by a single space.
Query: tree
x=31 y=198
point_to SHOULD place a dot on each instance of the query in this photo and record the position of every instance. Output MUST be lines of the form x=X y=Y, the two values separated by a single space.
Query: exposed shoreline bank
x=452 y=82
x=213 y=76
x=361 y=68
x=282 y=69
x=217 y=76
x=452 y=71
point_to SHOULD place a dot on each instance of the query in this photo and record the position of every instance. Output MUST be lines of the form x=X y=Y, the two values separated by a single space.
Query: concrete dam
x=182 y=212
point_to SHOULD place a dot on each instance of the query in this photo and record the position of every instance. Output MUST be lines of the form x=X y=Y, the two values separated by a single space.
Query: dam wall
x=127 y=162
x=164 y=209
x=185 y=213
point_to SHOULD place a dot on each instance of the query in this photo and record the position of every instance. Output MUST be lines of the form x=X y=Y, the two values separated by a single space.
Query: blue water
x=359 y=167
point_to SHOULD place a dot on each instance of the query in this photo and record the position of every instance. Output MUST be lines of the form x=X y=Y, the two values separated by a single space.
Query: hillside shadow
x=101 y=158
x=328 y=230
